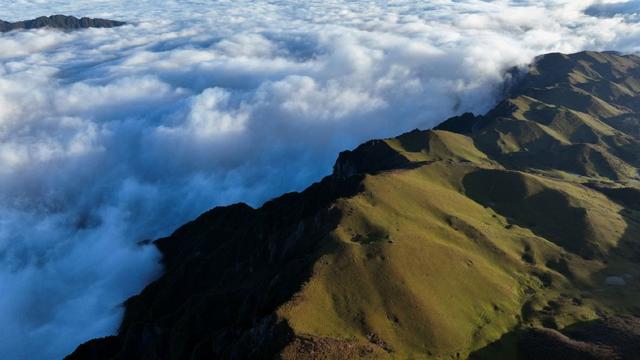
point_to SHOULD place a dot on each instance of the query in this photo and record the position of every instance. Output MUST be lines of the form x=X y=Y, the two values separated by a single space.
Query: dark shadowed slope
x=59 y=22
x=495 y=236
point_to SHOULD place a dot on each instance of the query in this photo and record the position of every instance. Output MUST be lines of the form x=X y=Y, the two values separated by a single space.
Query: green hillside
x=512 y=235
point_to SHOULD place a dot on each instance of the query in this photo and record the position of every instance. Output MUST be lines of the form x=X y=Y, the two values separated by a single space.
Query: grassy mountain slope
x=496 y=236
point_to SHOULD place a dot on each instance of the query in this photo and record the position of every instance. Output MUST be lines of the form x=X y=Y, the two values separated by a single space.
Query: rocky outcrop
x=370 y=157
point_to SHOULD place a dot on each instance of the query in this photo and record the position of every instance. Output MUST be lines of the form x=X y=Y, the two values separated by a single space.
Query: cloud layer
x=112 y=136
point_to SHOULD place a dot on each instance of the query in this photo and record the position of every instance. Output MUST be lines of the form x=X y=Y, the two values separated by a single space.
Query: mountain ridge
x=505 y=234
x=62 y=22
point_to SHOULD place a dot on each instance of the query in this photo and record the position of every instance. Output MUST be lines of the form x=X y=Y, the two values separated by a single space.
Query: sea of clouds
x=113 y=136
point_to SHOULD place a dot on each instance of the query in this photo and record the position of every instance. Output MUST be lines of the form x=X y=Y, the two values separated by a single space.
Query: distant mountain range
x=59 y=22
x=511 y=235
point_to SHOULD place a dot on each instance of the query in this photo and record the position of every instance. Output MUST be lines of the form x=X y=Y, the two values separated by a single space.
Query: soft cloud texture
x=608 y=8
x=112 y=136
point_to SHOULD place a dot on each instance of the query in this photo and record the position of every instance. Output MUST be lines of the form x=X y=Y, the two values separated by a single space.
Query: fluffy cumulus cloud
x=113 y=136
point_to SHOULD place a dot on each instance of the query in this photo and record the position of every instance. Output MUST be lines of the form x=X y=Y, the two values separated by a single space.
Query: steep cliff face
x=58 y=22
x=497 y=235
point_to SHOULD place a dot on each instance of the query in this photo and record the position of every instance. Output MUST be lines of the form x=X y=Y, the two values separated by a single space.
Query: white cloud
x=111 y=136
x=211 y=117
